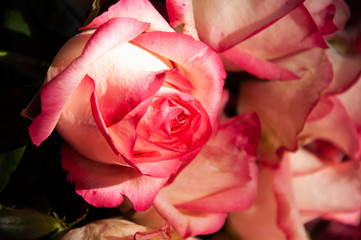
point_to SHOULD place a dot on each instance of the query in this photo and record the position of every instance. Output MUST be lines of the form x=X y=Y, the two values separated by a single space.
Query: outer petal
x=336 y=127
x=142 y=10
x=237 y=20
x=233 y=199
x=329 y=15
x=283 y=107
x=199 y=64
x=258 y=67
x=55 y=94
x=189 y=223
x=160 y=169
x=291 y=34
x=181 y=13
x=351 y=100
x=340 y=185
x=288 y=217
x=105 y=185
x=347 y=71
x=348 y=217
x=273 y=211
x=305 y=162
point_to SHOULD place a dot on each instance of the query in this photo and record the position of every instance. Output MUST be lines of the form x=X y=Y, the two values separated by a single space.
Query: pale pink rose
x=222 y=178
x=118 y=229
x=133 y=100
x=322 y=179
x=253 y=35
x=304 y=188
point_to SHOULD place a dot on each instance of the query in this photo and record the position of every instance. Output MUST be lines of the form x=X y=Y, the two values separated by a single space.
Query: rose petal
x=304 y=162
x=189 y=223
x=321 y=110
x=333 y=189
x=105 y=185
x=273 y=211
x=347 y=70
x=55 y=94
x=336 y=127
x=199 y=64
x=180 y=12
x=349 y=218
x=116 y=120
x=226 y=200
x=291 y=34
x=160 y=169
x=283 y=108
x=329 y=15
x=178 y=81
x=122 y=123
x=258 y=67
x=288 y=218
x=237 y=20
x=351 y=100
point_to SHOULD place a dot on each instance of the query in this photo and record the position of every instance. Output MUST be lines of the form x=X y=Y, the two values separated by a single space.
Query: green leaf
x=8 y=163
x=14 y=21
x=27 y=223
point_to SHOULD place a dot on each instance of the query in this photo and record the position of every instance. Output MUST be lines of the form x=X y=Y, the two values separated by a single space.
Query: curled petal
x=105 y=185
x=283 y=107
x=237 y=20
x=181 y=13
x=329 y=15
x=292 y=33
x=335 y=127
x=351 y=100
x=347 y=71
x=340 y=185
x=274 y=210
x=259 y=67
x=56 y=93
x=189 y=223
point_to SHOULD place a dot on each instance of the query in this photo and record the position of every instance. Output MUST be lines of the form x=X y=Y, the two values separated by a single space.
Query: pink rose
x=221 y=179
x=133 y=101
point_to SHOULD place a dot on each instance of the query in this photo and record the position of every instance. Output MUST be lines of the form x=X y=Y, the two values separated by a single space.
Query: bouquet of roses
x=181 y=119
